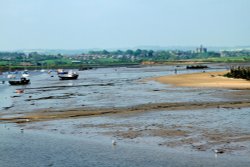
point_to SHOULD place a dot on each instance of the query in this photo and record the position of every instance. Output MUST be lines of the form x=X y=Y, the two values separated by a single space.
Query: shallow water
x=103 y=87
x=230 y=125
x=41 y=149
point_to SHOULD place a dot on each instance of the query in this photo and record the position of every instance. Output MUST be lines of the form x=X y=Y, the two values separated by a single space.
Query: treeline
x=105 y=57
x=156 y=55
x=137 y=52
x=239 y=72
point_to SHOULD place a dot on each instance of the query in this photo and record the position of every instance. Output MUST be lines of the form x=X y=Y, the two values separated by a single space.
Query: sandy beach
x=205 y=79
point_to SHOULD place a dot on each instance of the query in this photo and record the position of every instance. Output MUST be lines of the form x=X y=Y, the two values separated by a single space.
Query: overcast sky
x=83 y=24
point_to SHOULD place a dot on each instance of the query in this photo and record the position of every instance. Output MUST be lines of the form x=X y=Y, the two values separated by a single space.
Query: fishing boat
x=19 y=81
x=68 y=75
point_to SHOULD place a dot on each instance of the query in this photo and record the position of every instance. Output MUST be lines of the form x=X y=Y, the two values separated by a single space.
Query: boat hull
x=23 y=81
x=73 y=77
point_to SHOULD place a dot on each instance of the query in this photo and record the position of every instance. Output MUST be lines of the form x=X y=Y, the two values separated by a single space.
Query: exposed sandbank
x=206 y=80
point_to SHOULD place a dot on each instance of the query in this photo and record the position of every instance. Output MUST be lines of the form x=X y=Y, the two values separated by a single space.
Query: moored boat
x=68 y=75
x=12 y=75
x=61 y=72
x=197 y=67
x=25 y=74
x=19 y=81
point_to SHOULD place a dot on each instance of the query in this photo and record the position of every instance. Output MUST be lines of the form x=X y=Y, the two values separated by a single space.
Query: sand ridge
x=54 y=114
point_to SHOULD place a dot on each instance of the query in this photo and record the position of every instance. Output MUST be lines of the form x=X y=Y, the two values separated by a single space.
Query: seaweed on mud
x=6 y=108
x=66 y=86
x=51 y=97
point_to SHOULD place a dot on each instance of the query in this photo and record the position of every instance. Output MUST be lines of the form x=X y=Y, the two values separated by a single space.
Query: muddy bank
x=177 y=137
x=54 y=114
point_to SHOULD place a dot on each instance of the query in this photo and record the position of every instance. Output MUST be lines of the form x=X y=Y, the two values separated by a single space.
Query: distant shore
x=205 y=79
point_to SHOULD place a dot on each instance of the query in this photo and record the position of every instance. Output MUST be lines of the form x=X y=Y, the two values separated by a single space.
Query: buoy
x=19 y=90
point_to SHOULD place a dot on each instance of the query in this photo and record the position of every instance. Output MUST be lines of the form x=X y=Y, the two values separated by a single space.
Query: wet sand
x=55 y=114
x=178 y=134
x=202 y=130
x=205 y=80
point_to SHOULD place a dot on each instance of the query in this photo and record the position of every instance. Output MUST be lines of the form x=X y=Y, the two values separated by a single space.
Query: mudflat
x=204 y=119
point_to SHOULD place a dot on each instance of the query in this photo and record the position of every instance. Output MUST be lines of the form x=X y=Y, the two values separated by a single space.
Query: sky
x=85 y=24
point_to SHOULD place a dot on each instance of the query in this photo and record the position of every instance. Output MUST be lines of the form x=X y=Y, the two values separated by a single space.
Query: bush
x=239 y=72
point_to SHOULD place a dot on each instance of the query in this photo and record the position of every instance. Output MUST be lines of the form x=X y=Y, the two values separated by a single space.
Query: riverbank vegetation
x=38 y=60
x=239 y=72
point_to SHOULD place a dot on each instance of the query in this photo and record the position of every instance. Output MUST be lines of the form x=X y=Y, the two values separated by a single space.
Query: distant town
x=92 y=58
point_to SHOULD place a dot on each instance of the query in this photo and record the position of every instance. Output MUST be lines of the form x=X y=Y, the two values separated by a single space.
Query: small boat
x=85 y=68
x=20 y=81
x=12 y=75
x=197 y=67
x=61 y=72
x=68 y=75
x=42 y=70
x=25 y=74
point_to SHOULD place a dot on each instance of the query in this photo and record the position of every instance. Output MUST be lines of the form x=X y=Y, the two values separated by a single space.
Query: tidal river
x=151 y=124
x=103 y=87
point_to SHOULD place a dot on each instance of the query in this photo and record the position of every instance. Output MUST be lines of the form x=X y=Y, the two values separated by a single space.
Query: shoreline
x=204 y=80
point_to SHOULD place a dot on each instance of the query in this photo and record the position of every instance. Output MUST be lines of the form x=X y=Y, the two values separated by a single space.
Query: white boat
x=25 y=74
x=11 y=76
x=70 y=75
